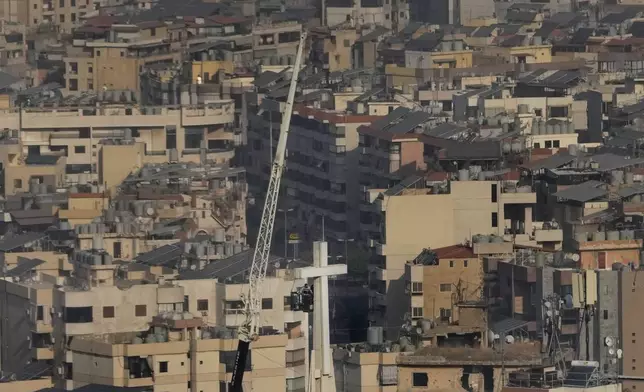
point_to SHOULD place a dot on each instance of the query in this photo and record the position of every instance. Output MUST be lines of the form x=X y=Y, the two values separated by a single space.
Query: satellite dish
x=620 y=352
x=509 y=339
x=608 y=341
x=611 y=351
x=497 y=336
x=575 y=257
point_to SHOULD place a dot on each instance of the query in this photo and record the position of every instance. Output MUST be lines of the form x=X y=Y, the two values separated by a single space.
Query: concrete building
x=103 y=144
x=140 y=321
x=322 y=164
x=463 y=208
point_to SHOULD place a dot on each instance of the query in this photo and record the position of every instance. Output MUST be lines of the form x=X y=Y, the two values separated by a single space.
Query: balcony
x=548 y=235
x=381 y=249
x=42 y=353
x=220 y=112
x=377 y=273
x=377 y=299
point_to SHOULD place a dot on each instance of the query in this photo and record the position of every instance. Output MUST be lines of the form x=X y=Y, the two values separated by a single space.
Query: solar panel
x=24 y=265
x=412 y=121
x=397 y=114
x=402 y=185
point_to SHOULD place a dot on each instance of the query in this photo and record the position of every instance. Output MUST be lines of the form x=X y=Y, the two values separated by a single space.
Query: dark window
x=445 y=287
x=202 y=305
x=17 y=183
x=40 y=313
x=556 y=144
x=73 y=2
x=108 y=311
x=171 y=137
x=79 y=149
x=420 y=379
x=267 y=303
x=548 y=144
x=73 y=68
x=98 y=53
x=494 y=193
x=206 y=76
x=495 y=219
x=73 y=17
x=186 y=303
x=538 y=112
x=465 y=263
x=62 y=18
x=605 y=314
x=61 y=3
x=116 y=250
x=153 y=31
x=163 y=367
x=73 y=84
x=446 y=314
x=78 y=315
x=228 y=358
x=537 y=145
x=451 y=263
x=140 y=311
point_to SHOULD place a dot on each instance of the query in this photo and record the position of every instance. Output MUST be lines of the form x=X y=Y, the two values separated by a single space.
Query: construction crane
x=249 y=329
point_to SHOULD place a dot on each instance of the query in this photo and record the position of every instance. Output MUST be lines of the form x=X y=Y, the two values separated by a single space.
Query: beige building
x=137 y=325
x=64 y=14
x=413 y=219
x=103 y=144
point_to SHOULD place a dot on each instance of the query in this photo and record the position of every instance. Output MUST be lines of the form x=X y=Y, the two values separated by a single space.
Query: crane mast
x=249 y=329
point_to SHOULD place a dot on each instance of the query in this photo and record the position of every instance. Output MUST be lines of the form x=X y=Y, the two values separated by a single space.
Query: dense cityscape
x=321 y=195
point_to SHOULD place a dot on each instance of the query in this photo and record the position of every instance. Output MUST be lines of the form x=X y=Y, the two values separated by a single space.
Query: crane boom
x=249 y=329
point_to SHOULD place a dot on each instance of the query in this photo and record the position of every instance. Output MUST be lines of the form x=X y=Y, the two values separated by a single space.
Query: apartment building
x=81 y=139
x=322 y=163
x=64 y=14
x=393 y=15
x=127 y=325
x=332 y=47
x=404 y=216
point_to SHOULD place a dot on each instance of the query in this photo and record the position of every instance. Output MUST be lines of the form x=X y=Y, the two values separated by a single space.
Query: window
x=556 y=143
x=171 y=137
x=116 y=250
x=444 y=287
x=76 y=315
x=347 y=43
x=267 y=303
x=416 y=312
x=17 y=183
x=90 y=68
x=40 y=313
x=73 y=84
x=446 y=314
x=287 y=303
x=537 y=145
x=163 y=367
x=388 y=375
x=73 y=2
x=416 y=287
x=451 y=263
x=90 y=85
x=538 y=112
x=419 y=379
x=605 y=314
x=62 y=18
x=548 y=144
x=73 y=17
x=79 y=149
x=494 y=192
x=140 y=311
x=61 y=3
x=495 y=219
x=73 y=68
x=98 y=53
x=202 y=305
x=203 y=214
x=153 y=31
x=108 y=311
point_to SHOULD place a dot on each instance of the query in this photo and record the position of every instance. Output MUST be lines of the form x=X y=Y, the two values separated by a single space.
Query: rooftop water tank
x=599 y=236
x=581 y=237
x=375 y=336
x=463 y=175
x=612 y=235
